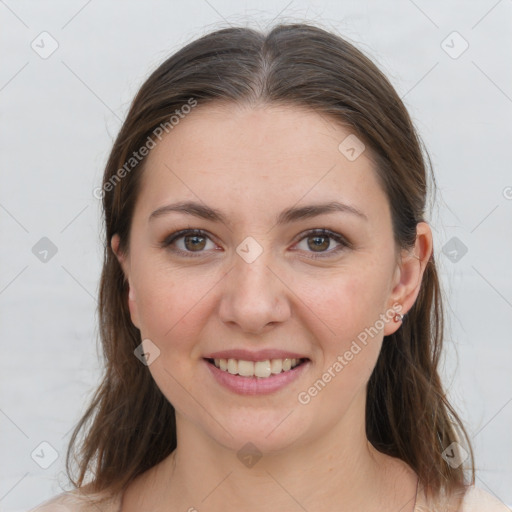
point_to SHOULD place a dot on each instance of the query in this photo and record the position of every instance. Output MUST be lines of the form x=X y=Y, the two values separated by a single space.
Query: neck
x=339 y=470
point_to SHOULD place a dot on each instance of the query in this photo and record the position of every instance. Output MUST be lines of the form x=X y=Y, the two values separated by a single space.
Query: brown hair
x=129 y=425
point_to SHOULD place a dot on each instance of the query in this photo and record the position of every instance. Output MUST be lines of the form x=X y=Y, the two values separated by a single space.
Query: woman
x=270 y=307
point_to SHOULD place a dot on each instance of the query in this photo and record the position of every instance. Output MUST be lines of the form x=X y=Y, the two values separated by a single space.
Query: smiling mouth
x=262 y=369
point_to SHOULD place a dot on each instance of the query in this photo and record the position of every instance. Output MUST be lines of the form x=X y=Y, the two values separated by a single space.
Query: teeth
x=232 y=366
x=261 y=369
x=276 y=365
x=245 y=368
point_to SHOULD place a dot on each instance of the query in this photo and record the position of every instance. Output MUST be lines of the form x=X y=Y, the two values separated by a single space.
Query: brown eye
x=194 y=242
x=187 y=242
x=319 y=241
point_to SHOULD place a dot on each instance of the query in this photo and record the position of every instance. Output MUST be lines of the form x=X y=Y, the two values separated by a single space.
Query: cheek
x=349 y=349
x=349 y=311
x=171 y=308
x=171 y=303
x=346 y=303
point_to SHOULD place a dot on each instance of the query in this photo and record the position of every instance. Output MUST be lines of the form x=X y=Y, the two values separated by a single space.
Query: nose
x=254 y=296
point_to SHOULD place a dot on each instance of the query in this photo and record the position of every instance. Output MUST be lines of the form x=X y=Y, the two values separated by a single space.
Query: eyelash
x=173 y=237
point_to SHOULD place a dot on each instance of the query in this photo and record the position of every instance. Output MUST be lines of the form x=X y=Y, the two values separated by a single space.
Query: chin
x=264 y=432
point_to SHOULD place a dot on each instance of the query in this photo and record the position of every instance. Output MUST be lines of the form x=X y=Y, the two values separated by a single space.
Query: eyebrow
x=287 y=216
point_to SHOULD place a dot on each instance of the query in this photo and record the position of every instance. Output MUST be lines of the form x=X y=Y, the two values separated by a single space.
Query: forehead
x=230 y=134
x=258 y=155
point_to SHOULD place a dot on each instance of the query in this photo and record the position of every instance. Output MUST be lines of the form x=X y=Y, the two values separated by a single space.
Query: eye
x=189 y=241
x=193 y=242
x=319 y=240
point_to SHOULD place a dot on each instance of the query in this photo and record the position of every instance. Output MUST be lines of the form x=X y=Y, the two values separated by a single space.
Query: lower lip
x=256 y=385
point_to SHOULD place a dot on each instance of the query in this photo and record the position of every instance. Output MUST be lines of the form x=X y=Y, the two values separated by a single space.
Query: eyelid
x=182 y=233
x=337 y=237
x=341 y=240
x=324 y=232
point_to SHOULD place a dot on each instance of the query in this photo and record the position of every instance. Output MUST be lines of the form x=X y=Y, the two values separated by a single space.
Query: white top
x=475 y=500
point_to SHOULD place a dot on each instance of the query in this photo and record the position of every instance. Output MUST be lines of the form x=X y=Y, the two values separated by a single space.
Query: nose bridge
x=253 y=277
x=254 y=296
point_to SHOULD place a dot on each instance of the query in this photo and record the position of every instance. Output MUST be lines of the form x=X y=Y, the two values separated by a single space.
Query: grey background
x=59 y=116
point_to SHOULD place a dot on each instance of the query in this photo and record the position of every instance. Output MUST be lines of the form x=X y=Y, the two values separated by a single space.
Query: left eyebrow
x=313 y=210
x=287 y=216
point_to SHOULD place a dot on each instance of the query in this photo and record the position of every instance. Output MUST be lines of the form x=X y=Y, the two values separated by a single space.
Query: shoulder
x=80 y=500
x=467 y=499
x=477 y=500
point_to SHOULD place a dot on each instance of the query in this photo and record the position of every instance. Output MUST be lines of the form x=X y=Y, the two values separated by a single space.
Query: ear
x=409 y=274
x=125 y=265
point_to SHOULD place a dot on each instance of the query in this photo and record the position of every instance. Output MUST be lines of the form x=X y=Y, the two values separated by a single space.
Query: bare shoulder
x=478 y=500
x=467 y=499
x=80 y=500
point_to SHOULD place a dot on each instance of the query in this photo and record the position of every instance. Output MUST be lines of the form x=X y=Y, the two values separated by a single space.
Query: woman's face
x=259 y=281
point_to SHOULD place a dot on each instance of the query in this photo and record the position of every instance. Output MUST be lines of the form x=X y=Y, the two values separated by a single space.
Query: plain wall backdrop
x=69 y=71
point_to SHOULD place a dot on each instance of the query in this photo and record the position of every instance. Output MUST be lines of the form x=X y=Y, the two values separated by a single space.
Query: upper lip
x=260 y=355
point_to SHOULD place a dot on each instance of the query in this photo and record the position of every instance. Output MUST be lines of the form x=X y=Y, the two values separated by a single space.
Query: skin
x=251 y=163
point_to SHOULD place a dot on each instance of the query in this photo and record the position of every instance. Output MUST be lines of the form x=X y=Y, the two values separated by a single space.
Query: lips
x=255 y=385
x=249 y=372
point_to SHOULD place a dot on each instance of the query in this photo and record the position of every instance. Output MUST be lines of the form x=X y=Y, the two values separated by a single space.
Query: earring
x=398 y=317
